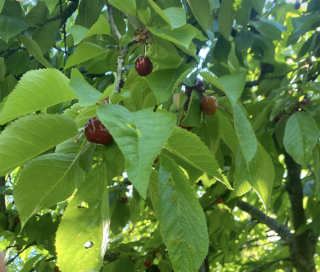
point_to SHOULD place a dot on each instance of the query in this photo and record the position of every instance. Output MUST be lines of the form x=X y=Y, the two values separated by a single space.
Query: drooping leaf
x=127 y=6
x=51 y=4
x=119 y=265
x=182 y=221
x=233 y=85
x=140 y=136
x=83 y=232
x=300 y=137
x=84 y=52
x=174 y=16
x=201 y=13
x=88 y=13
x=99 y=27
x=225 y=18
x=45 y=181
x=86 y=93
x=30 y=136
x=197 y=154
x=163 y=82
x=36 y=90
x=34 y=49
x=245 y=133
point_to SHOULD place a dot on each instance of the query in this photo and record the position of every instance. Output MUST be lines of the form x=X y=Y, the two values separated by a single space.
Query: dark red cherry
x=199 y=86
x=18 y=248
x=56 y=269
x=297 y=5
x=209 y=105
x=233 y=32
x=96 y=132
x=219 y=200
x=16 y=220
x=186 y=105
x=124 y=200
x=305 y=101
x=188 y=90
x=156 y=160
x=277 y=118
x=147 y=263
x=143 y=66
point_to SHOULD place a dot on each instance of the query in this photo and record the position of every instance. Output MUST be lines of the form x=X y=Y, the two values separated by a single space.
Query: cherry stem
x=153 y=19
x=83 y=149
x=142 y=27
x=155 y=108
x=226 y=110
x=206 y=87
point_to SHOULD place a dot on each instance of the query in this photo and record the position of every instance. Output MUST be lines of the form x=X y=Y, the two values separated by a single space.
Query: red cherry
x=219 y=200
x=199 y=86
x=147 y=263
x=188 y=90
x=234 y=32
x=209 y=105
x=305 y=101
x=143 y=66
x=150 y=214
x=56 y=269
x=124 y=200
x=156 y=160
x=12 y=202
x=297 y=5
x=96 y=132
x=187 y=128
x=277 y=118
x=18 y=248
x=16 y=220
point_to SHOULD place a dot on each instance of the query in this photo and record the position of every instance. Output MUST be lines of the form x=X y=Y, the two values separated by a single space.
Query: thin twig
x=120 y=62
x=129 y=20
x=111 y=21
x=269 y=263
x=64 y=29
x=11 y=260
x=12 y=49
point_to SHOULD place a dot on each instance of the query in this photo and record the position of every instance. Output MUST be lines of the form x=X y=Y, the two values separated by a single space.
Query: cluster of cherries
x=209 y=104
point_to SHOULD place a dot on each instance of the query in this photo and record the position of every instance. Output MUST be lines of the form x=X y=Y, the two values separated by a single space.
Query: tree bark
x=302 y=248
x=2 y=197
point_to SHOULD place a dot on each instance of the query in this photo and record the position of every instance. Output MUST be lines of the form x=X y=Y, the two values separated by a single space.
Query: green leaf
x=2 y=69
x=51 y=4
x=99 y=27
x=181 y=36
x=197 y=154
x=84 y=52
x=30 y=136
x=259 y=174
x=316 y=165
x=244 y=40
x=36 y=90
x=182 y=221
x=163 y=82
x=86 y=219
x=78 y=33
x=88 y=13
x=233 y=85
x=144 y=15
x=2 y=4
x=34 y=49
x=225 y=18
x=174 y=16
x=200 y=11
x=120 y=217
x=245 y=133
x=86 y=94
x=127 y=6
x=45 y=181
x=45 y=36
x=212 y=79
x=300 y=137
x=125 y=265
x=11 y=26
x=269 y=28
x=194 y=114
x=140 y=136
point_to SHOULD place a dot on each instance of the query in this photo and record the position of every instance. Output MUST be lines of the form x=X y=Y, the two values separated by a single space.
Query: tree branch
x=268 y=263
x=72 y=7
x=283 y=231
x=111 y=21
x=2 y=197
x=129 y=20
x=120 y=62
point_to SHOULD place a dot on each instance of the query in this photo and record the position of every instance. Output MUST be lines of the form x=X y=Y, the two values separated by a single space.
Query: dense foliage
x=160 y=135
